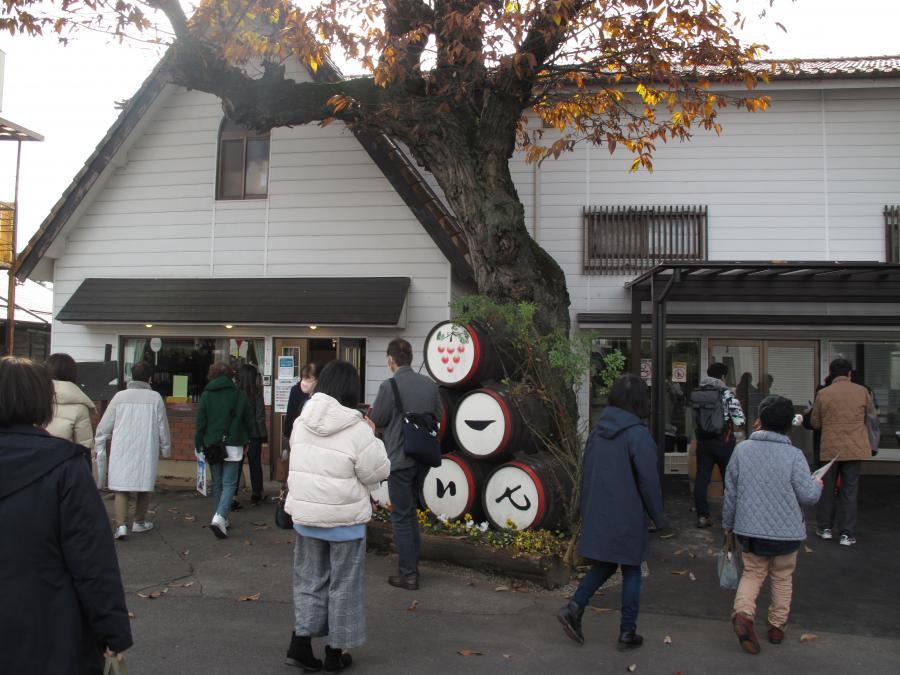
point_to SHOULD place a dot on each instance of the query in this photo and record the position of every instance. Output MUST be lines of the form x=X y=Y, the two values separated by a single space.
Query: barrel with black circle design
x=454 y=488
x=529 y=492
x=489 y=424
x=461 y=356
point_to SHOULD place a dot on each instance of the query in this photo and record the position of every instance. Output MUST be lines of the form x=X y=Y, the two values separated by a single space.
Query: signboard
x=647 y=369
x=285 y=368
x=679 y=371
x=283 y=393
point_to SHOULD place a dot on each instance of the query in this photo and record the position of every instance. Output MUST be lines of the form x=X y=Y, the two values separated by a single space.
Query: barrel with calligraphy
x=449 y=399
x=529 y=492
x=489 y=425
x=453 y=489
x=461 y=356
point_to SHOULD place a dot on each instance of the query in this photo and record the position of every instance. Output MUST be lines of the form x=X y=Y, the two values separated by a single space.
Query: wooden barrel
x=460 y=356
x=529 y=491
x=449 y=399
x=488 y=425
x=454 y=488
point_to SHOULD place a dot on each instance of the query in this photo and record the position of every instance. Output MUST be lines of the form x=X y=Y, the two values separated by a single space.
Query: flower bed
x=535 y=555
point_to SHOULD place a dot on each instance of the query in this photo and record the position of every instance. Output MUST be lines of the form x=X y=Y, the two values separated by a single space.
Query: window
x=188 y=356
x=243 y=171
x=892 y=234
x=632 y=239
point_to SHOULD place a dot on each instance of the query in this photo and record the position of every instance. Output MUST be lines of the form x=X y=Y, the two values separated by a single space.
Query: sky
x=68 y=94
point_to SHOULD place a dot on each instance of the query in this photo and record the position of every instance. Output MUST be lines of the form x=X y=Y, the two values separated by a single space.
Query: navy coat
x=61 y=596
x=619 y=484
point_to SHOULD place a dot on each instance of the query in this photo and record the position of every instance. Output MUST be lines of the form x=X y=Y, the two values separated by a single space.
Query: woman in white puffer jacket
x=72 y=408
x=336 y=462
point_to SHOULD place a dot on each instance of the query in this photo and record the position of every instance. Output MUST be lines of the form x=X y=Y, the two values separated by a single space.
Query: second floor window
x=243 y=169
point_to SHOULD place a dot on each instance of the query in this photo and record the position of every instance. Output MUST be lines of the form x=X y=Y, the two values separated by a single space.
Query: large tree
x=455 y=81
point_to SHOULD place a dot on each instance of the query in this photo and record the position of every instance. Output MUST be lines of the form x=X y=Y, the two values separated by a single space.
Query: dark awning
x=360 y=301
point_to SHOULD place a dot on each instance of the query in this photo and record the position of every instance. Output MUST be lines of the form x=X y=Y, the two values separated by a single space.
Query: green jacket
x=214 y=415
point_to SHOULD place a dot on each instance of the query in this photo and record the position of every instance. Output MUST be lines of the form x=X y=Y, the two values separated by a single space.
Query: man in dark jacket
x=418 y=394
x=619 y=490
x=62 y=604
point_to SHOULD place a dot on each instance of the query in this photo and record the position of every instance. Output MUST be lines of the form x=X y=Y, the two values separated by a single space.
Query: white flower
x=443 y=518
x=469 y=524
x=483 y=527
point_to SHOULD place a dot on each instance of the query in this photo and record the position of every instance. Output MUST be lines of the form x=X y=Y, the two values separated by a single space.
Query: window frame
x=244 y=135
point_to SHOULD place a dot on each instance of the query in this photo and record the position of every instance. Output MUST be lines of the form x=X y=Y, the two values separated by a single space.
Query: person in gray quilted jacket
x=767 y=482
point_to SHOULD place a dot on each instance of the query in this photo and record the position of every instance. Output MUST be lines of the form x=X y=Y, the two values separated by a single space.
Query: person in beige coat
x=840 y=413
x=72 y=408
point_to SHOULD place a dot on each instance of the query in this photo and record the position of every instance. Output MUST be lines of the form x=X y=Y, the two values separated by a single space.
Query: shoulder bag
x=419 y=432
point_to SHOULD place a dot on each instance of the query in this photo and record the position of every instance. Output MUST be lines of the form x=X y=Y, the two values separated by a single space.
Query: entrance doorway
x=298 y=353
x=757 y=368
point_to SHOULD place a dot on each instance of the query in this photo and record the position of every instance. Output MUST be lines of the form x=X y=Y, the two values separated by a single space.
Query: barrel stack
x=495 y=467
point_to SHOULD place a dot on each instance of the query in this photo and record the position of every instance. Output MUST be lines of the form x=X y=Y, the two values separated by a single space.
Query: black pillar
x=635 y=332
x=658 y=374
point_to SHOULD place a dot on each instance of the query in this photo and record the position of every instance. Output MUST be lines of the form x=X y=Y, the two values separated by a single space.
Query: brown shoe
x=410 y=583
x=776 y=635
x=743 y=628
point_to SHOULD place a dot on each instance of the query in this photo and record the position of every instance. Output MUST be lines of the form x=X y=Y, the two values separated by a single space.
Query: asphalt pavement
x=203 y=605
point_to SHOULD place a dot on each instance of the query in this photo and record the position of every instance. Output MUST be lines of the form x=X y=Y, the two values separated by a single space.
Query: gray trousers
x=832 y=512
x=329 y=590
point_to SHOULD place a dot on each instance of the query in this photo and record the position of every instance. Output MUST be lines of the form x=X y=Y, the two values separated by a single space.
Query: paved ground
x=848 y=598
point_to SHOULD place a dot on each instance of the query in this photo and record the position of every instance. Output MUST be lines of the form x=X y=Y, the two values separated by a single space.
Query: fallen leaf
x=189 y=518
x=227 y=555
x=693 y=555
x=143 y=595
x=666 y=536
x=809 y=637
x=186 y=551
x=501 y=589
x=667 y=640
x=601 y=610
x=250 y=598
x=679 y=573
x=468 y=652
x=679 y=551
x=261 y=527
x=692 y=577
x=247 y=542
x=187 y=584
x=130 y=615
x=807 y=549
x=412 y=607
x=632 y=668
x=155 y=594
x=173 y=510
x=507 y=656
x=260 y=524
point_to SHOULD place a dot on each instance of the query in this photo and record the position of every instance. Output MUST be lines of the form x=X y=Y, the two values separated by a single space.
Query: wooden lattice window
x=626 y=239
x=243 y=167
x=892 y=233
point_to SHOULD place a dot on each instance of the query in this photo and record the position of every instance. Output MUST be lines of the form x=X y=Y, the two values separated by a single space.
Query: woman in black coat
x=619 y=489
x=62 y=605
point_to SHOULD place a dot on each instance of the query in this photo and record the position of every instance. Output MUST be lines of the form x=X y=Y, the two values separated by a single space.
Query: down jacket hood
x=324 y=416
x=613 y=421
x=27 y=454
x=69 y=393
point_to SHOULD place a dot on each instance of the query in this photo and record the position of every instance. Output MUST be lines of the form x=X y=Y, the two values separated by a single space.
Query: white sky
x=67 y=94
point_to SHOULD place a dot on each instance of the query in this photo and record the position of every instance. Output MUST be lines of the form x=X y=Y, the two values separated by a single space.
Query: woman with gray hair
x=766 y=484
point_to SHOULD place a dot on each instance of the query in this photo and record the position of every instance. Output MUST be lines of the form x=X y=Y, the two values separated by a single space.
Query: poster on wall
x=267 y=394
x=647 y=370
x=679 y=371
x=283 y=393
x=285 y=367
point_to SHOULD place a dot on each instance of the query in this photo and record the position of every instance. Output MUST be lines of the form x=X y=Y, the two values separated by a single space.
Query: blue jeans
x=404 y=488
x=224 y=479
x=631 y=590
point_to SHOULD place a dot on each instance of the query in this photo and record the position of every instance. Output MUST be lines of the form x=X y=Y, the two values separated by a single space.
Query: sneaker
x=704 y=521
x=847 y=540
x=121 y=532
x=219 y=527
x=141 y=527
x=825 y=533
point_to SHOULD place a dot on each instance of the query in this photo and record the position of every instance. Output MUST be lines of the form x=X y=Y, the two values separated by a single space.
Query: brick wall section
x=181 y=426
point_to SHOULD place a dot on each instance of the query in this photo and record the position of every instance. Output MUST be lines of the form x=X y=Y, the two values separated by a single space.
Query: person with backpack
x=717 y=414
x=224 y=426
x=417 y=394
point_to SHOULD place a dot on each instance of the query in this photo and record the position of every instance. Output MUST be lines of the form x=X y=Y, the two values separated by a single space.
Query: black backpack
x=709 y=411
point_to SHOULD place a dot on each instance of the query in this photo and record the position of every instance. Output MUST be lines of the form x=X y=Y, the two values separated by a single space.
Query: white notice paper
x=282 y=394
x=821 y=471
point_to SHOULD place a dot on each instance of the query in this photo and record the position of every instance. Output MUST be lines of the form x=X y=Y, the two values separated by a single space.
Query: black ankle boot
x=628 y=639
x=300 y=654
x=570 y=618
x=335 y=659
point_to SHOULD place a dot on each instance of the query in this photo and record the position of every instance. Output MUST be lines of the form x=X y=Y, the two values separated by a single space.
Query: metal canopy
x=9 y=131
x=736 y=282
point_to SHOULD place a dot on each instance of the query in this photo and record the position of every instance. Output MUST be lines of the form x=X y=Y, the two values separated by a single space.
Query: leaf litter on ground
x=250 y=598
x=469 y=652
x=413 y=606
x=809 y=637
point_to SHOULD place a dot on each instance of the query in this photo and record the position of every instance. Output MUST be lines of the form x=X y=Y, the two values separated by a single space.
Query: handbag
x=282 y=519
x=419 y=432
x=216 y=452
x=728 y=564
x=113 y=666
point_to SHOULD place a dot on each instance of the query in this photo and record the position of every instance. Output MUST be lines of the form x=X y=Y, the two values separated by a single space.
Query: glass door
x=290 y=355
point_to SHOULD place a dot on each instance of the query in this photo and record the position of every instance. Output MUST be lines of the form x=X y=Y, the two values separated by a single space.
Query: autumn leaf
x=692 y=577
x=413 y=606
x=250 y=598
x=189 y=518
x=468 y=652
x=601 y=610
x=667 y=640
x=131 y=615
x=679 y=573
x=670 y=534
x=501 y=589
x=807 y=549
x=809 y=637
x=632 y=668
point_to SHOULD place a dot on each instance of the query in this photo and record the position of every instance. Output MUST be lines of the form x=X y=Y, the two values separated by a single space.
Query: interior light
x=229 y=326
x=313 y=327
x=148 y=325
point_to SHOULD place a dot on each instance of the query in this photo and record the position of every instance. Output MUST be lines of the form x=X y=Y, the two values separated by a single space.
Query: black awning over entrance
x=776 y=282
x=361 y=301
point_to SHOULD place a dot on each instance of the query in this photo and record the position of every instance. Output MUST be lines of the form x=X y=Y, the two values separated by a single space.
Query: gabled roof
x=851 y=67
x=437 y=220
